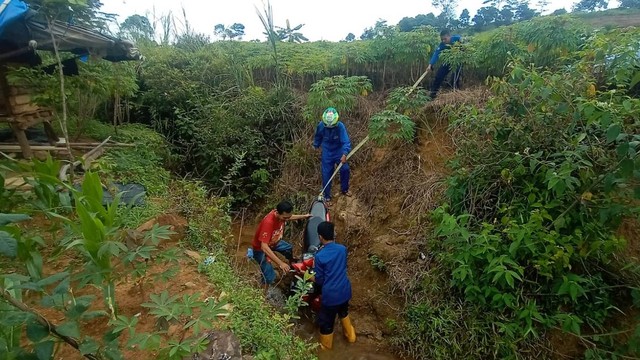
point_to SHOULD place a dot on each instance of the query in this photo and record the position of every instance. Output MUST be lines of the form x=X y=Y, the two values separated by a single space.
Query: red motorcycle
x=311 y=244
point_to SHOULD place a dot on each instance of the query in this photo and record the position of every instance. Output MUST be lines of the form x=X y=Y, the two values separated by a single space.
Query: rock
x=174 y=222
x=189 y=285
x=41 y=155
x=133 y=239
x=351 y=213
x=147 y=225
x=195 y=256
x=366 y=325
x=223 y=345
x=227 y=309
x=17 y=183
x=276 y=297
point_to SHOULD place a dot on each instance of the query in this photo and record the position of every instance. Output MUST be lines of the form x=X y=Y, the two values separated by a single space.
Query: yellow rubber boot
x=348 y=329
x=326 y=341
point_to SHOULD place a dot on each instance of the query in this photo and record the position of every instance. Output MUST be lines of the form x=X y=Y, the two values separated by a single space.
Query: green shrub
x=339 y=92
x=455 y=330
x=542 y=178
x=261 y=330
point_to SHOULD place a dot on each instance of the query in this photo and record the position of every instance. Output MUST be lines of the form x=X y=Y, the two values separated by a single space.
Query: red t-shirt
x=269 y=231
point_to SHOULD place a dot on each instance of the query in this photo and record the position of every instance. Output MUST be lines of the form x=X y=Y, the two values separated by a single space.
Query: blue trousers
x=327 y=316
x=329 y=164
x=441 y=76
x=268 y=273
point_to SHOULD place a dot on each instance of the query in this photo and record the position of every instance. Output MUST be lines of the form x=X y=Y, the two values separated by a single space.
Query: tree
x=220 y=31
x=524 y=12
x=485 y=16
x=465 y=18
x=380 y=29
x=350 y=37
x=630 y=4
x=229 y=32
x=559 y=12
x=137 y=27
x=447 y=10
x=590 y=5
x=236 y=31
x=505 y=17
x=290 y=34
x=410 y=23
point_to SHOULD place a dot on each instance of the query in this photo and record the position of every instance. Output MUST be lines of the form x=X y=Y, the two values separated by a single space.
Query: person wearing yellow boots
x=330 y=267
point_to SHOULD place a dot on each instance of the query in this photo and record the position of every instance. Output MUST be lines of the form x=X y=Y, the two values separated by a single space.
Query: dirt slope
x=382 y=224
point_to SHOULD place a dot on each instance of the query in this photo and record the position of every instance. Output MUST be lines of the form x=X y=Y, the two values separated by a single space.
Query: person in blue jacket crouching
x=333 y=140
x=330 y=268
x=446 y=42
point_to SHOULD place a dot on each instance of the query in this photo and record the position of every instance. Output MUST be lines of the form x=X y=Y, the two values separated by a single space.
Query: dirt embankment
x=384 y=223
x=180 y=277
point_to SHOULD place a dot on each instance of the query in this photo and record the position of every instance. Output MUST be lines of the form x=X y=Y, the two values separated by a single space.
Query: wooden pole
x=24 y=146
x=29 y=148
x=86 y=159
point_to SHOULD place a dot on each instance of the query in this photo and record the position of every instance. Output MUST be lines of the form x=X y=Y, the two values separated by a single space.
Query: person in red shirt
x=268 y=240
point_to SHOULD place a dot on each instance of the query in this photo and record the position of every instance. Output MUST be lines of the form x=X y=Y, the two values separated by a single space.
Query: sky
x=324 y=19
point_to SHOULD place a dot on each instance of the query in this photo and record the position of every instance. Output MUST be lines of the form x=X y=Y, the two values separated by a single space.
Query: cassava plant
x=339 y=92
x=388 y=125
x=543 y=177
x=395 y=123
x=303 y=285
x=93 y=237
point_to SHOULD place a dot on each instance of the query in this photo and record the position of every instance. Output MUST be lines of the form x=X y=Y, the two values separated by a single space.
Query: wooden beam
x=19 y=148
x=59 y=147
x=84 y=161
x=97 y=144
x=22 y=140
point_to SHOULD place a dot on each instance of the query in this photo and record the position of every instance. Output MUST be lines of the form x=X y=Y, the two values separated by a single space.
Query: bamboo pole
x=86 y=159
x=354 y=150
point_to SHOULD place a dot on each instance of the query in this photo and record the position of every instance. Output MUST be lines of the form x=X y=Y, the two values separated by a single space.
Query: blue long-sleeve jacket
x=442 y=46
x=334 y=141
x=330 y=266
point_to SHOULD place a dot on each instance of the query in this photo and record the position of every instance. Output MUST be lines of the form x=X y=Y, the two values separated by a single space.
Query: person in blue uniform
x=330 y=268
x=446 y=42
x=333 y=140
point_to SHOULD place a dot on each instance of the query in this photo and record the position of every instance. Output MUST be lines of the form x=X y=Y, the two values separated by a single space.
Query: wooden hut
x=23 y=31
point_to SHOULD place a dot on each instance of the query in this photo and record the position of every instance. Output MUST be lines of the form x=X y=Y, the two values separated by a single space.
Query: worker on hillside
x=268 y=238
x=333 y=140
x=330 y=268
x=445 y=69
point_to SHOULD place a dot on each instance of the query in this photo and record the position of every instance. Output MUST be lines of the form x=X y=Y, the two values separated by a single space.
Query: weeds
x=378 y=263
x=528 y=233
x=261 y=330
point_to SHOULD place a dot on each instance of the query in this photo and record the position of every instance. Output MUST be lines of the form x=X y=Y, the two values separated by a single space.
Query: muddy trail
x=371 y=343
x=383 y=224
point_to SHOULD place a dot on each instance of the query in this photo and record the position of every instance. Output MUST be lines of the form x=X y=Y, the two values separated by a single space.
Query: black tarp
x=132 y=194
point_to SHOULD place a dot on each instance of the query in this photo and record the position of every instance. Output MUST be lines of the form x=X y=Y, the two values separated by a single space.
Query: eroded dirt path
x=371 y=344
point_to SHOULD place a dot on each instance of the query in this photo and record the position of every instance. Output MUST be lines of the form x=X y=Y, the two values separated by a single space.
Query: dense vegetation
x=526 y=240
x=543 y=177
